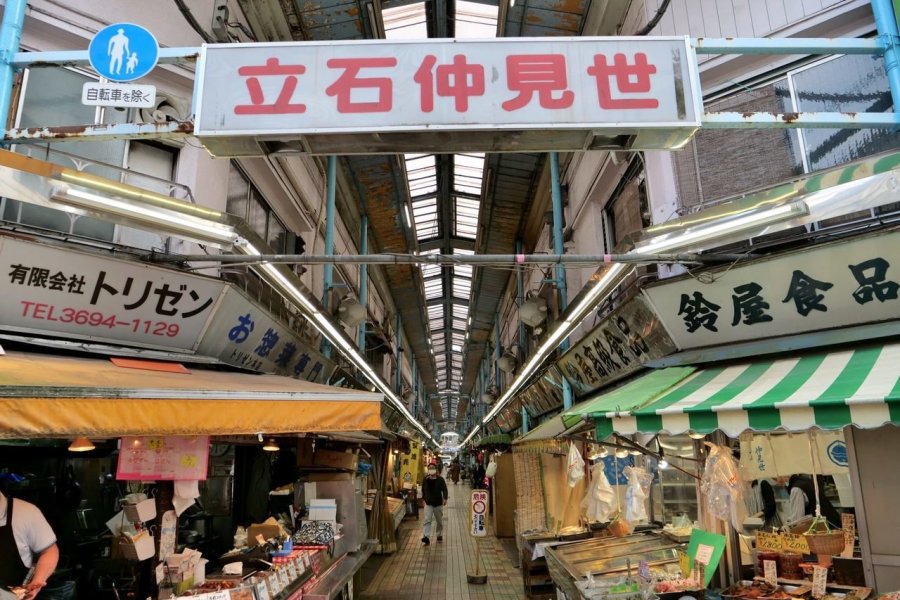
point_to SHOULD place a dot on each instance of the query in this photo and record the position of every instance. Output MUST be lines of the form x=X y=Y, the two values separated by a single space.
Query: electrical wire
x=189 y=17
x=656 y=18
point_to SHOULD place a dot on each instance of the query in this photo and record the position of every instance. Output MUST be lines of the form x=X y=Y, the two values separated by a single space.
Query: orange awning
x=57 y=396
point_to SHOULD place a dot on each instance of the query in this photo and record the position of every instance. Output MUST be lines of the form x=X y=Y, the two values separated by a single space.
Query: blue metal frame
x=10 y=34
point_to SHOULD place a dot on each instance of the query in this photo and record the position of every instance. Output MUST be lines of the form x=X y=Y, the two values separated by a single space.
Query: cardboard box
x=266 y=530
x=306 y=457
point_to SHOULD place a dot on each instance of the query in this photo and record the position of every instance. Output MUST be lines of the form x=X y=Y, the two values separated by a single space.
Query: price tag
x=771 y=542
x=275 y=584
x=771 y=572
x=262 y=592
x=298 y=564
x=848 y=524
x=820 y=578
x=292 y=570
x=792 y=542
x=704 y=554
x=285 y=580
x=644 y=570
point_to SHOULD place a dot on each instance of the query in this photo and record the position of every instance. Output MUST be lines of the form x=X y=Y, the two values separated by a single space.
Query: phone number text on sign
x=50 y=312
x=479 y=513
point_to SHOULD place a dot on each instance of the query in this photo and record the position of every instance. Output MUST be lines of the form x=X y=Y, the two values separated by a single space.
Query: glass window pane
x=849 y=84
x=237 y=202
x=257 y=214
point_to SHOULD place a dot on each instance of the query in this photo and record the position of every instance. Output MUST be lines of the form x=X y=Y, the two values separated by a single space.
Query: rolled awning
x=828 y=390
x=58 y=396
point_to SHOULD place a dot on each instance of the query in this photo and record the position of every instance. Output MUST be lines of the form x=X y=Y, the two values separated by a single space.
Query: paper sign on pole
x=704 y=554
x=820 y=578
x=771 y=572
x=848 y=524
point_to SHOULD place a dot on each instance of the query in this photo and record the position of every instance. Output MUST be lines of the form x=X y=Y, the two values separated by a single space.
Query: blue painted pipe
x=10 y=34
x=886 y=23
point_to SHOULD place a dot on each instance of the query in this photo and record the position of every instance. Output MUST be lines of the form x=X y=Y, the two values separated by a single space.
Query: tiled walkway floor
x=438 y=571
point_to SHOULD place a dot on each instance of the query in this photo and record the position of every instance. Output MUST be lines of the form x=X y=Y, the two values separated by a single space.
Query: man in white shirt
x=26 y=541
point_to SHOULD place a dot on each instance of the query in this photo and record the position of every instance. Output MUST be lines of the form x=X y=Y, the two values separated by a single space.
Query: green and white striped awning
x=828 y=390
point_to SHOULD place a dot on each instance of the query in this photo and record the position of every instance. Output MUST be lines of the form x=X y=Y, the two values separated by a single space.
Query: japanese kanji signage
x=766 y=456
x=166 y=457
x=611 y=84
x=245 y=335
x=124 y=95
x=625 y=340
x=832 y=285
x=73 y=294
x=479 y=513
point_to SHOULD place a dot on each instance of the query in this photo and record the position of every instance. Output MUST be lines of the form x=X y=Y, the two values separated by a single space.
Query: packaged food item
x=790 y=565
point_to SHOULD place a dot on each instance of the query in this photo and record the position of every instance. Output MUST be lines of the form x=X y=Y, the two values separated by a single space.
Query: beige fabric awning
x=43 y=395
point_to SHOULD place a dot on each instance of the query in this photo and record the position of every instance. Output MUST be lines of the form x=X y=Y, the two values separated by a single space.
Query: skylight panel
x=466 y=210
x=462 y=287
x=421 y=173
x=430 y=270
x=460 y=311
x=434 y=288
x=459 y=324
x=435 y=311
x=475 y=20
x=468 y=173
x=405 y=22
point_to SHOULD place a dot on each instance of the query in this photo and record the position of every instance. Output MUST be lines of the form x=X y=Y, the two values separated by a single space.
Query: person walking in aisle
x=434 y=492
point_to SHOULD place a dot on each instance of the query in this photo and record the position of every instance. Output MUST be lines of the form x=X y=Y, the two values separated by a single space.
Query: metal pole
x=448 y=259
x=363 y=280
x=497 y=351
x=10 y=34
x=520 y=286
x=524 y=421
x=886 y=23
x=328 y=271
x=558 y=249
x=398 y=382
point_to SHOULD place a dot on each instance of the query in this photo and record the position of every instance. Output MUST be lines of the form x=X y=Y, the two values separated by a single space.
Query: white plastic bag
x=724 y=488
x=574 y=466
x=491 y=469
x=637 y=493
x=600 y=497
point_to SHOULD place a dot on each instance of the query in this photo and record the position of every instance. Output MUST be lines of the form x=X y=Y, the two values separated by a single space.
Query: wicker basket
x=822 y=540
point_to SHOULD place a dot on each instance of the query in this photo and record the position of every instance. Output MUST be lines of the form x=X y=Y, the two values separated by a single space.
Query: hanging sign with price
x=771 y=542
x=176 y=458
x=793 y=542
x=479 y=513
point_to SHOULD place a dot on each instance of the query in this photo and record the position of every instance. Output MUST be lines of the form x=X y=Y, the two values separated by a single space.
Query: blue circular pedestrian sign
x=123 y=52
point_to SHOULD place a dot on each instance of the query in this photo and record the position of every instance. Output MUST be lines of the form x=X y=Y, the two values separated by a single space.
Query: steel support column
x=328 y=270
x=10 y=34
x=363 y=281
x=398 y=384
x=556 y=196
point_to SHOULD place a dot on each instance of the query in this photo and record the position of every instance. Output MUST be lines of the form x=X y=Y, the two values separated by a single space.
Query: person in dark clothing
x=804 y=484
x=478 y=477
x=764 y=505
x=434 y=492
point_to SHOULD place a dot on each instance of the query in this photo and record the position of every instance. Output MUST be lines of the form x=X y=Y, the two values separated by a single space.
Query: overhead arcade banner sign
x=614 y=85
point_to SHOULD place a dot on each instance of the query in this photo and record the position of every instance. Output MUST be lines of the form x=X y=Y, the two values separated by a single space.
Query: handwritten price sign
x=771 y=542
x=795 y=543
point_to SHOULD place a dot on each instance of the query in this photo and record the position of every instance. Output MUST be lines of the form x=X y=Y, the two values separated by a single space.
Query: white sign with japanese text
x=124 y=95
x=479 y=513
x=86 y=296
x=832 y=285
x=565 y=83
x=767 y=456
x=245 y=335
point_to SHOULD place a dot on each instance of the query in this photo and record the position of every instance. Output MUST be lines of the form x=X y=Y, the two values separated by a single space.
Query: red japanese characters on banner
x=527 y=75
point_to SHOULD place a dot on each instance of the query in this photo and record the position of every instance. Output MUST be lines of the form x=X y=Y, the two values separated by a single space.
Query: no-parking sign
x=478 y=513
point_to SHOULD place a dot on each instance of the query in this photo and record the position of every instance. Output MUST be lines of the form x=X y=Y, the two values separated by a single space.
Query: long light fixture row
x=207 y=231
x=675 y=241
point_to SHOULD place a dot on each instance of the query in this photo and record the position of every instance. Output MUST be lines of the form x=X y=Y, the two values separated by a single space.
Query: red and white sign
x=175 y=458
x=479 y=513
x=375 y=86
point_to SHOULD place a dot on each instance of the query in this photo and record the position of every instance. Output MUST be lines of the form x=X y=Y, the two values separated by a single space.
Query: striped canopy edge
x=826 y=390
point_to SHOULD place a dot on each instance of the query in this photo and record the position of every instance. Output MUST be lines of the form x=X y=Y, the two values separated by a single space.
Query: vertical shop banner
x=67 y=293
x=245 y=335
x=478 y=514
x=619 y=346
x=176 y=458
x=766 y=456
x=830 y=286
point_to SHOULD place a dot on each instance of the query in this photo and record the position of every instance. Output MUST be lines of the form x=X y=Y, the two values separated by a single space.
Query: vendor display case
x=609 y=557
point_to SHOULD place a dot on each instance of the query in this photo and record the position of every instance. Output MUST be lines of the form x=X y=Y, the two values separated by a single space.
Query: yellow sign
x=791 y=542
x=769 y=541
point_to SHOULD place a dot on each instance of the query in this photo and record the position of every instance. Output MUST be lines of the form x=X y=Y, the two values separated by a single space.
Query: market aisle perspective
x=438 y=571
